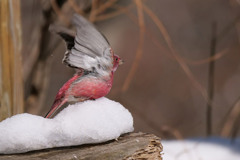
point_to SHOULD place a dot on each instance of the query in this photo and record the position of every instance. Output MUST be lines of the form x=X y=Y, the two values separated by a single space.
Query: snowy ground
x=98 y=121
x=201 y=149
x=82 y=123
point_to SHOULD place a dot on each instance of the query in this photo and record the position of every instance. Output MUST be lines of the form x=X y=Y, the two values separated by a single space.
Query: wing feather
x=65 y=34
x=91 y=50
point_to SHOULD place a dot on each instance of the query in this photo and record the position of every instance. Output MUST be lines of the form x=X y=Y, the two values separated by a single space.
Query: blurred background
x=181 y=76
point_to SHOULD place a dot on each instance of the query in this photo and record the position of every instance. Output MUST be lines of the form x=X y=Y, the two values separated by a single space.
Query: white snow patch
x=81 y=123
x=211 y=148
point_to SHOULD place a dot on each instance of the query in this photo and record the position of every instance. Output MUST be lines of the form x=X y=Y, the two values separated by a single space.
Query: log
x=128 y=147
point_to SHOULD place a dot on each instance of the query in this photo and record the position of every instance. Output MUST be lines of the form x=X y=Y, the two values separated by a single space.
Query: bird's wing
x=66 y=34
x=91 y=50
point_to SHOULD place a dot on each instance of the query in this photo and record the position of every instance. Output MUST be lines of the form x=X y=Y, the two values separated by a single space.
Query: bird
x=90 y=54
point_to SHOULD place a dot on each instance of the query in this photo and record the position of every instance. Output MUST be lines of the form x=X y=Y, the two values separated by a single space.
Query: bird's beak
x=120 y=62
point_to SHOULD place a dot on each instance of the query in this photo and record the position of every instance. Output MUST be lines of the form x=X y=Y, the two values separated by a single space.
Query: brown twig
x=176 y=133
x=119 y=10
x=109 y=15
x=93 y=13
x=231 y=119
x=127 y=11
x=177 y=57
x=148 y=33
x=105 y=6
x=228 y=28
x=208 y=60
x=235 y=128
x=159 y=129
x=56 y=8
x=139 y=51
x=75 y=7
x=58 y=11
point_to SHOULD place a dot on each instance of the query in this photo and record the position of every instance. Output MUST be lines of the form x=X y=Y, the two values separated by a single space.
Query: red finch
x=91 y=55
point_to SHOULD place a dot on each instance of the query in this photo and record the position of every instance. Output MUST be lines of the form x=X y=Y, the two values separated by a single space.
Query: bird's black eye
x=116 y=58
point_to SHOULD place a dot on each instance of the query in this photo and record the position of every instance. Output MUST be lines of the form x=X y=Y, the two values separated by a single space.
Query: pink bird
x=91 y=55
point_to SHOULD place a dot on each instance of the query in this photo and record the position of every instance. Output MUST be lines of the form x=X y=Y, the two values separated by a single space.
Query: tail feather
x=56 y=105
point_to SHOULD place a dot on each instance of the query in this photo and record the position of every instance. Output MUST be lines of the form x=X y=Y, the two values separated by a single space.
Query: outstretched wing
x=91 y=50
x=66 y=34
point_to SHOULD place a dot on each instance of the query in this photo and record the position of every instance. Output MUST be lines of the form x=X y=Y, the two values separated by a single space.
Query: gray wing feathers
x=66 y=34
x=91 y=50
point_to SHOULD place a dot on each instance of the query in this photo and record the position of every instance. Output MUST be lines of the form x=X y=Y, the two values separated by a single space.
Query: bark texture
x=128 y=147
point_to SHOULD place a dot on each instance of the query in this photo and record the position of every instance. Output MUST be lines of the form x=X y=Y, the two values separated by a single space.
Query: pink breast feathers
x=91 y=88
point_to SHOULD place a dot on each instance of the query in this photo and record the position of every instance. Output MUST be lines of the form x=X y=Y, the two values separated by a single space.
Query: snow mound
x=81 y=123
x=209 y=148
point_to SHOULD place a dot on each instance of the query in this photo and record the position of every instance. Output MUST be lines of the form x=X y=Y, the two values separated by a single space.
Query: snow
x=81 y=123
x=210 y=148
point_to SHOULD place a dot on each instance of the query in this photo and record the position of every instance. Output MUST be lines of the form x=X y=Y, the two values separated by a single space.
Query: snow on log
x=131 y=146
x=82 y=123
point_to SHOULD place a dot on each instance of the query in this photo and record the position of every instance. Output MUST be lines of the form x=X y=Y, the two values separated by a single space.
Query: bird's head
x=116 y=62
